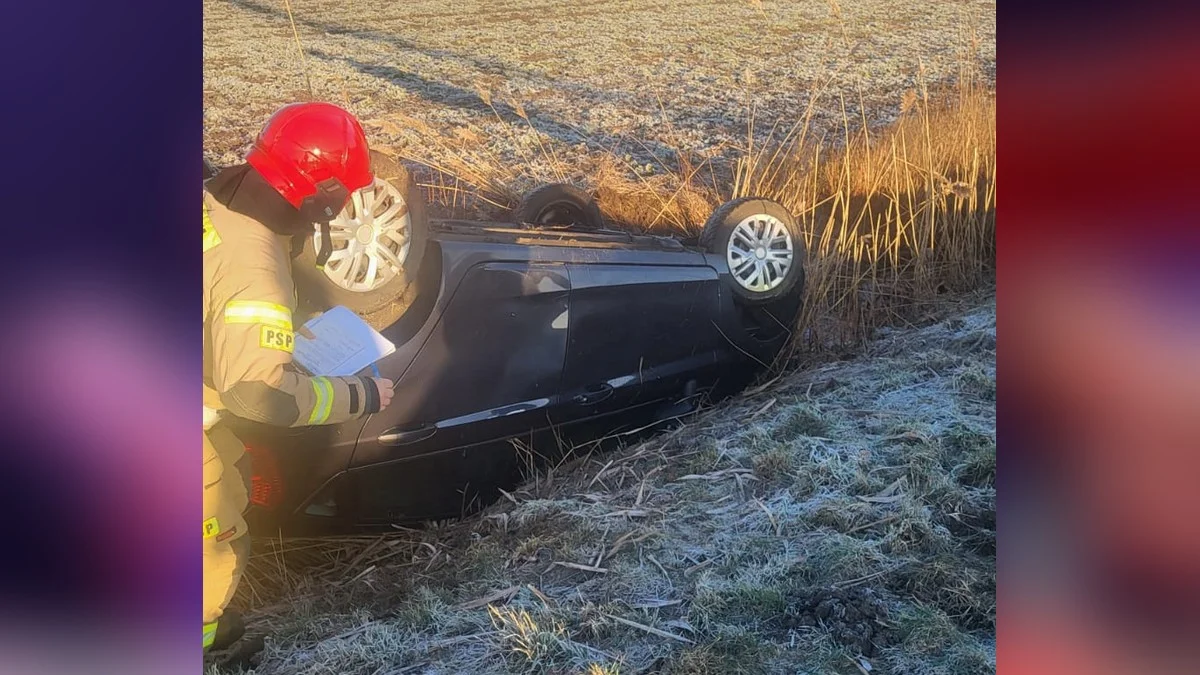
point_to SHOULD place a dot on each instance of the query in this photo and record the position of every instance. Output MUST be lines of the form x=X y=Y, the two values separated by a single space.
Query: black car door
x=641 y=326
x=490 y=368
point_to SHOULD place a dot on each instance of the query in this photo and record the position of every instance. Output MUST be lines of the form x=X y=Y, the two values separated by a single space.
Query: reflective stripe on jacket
x=249 y=298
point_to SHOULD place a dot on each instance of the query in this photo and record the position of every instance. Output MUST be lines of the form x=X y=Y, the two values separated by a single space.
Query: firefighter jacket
x=249 y=298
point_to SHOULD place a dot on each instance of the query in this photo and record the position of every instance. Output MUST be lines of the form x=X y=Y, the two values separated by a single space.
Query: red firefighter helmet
x=315 y=155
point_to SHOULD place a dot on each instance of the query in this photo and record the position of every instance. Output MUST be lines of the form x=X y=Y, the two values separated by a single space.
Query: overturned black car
x=545 y=329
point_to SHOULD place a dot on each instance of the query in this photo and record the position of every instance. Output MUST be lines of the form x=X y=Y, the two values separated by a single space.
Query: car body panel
x=519 y=333
x=663 y=330
x=490 y=367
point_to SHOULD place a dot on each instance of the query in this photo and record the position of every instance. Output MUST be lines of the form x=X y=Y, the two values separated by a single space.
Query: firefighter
x=305 y=163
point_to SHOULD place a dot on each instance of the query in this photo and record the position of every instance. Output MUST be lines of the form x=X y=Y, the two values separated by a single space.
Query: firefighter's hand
x=385 y=391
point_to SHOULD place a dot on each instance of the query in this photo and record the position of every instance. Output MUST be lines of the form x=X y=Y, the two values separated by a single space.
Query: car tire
x=761 y=246
x=319 y=288
x=559 y=204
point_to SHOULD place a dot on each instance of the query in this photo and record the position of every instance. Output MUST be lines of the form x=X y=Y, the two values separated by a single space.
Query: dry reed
x=895 y=219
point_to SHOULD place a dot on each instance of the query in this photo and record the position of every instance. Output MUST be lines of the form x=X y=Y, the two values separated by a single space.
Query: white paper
x=344 y=344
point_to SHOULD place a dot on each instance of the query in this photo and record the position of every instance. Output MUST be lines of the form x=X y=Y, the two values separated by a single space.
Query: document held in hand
x=342 y=344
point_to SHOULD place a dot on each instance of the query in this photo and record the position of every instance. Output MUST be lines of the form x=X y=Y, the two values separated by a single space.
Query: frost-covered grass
x=595 y=79
x=842 y=513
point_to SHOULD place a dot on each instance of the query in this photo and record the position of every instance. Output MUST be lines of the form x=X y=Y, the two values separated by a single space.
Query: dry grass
x=895 y=219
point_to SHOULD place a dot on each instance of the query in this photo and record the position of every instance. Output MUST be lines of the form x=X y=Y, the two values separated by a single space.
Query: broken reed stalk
x=287 y=4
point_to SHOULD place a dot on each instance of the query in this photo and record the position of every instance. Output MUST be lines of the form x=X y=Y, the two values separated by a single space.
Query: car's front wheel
x=378 y=243
x=762 y=247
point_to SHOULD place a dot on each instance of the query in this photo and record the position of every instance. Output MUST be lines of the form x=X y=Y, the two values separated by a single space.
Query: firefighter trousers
x=226 y=546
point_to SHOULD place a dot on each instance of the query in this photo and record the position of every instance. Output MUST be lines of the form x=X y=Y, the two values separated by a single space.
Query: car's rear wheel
x=378 y=245
x=762 y=247
x=559 y=204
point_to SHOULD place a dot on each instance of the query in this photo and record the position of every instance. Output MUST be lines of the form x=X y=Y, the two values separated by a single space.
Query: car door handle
x=594 y=393
x=402 y=436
